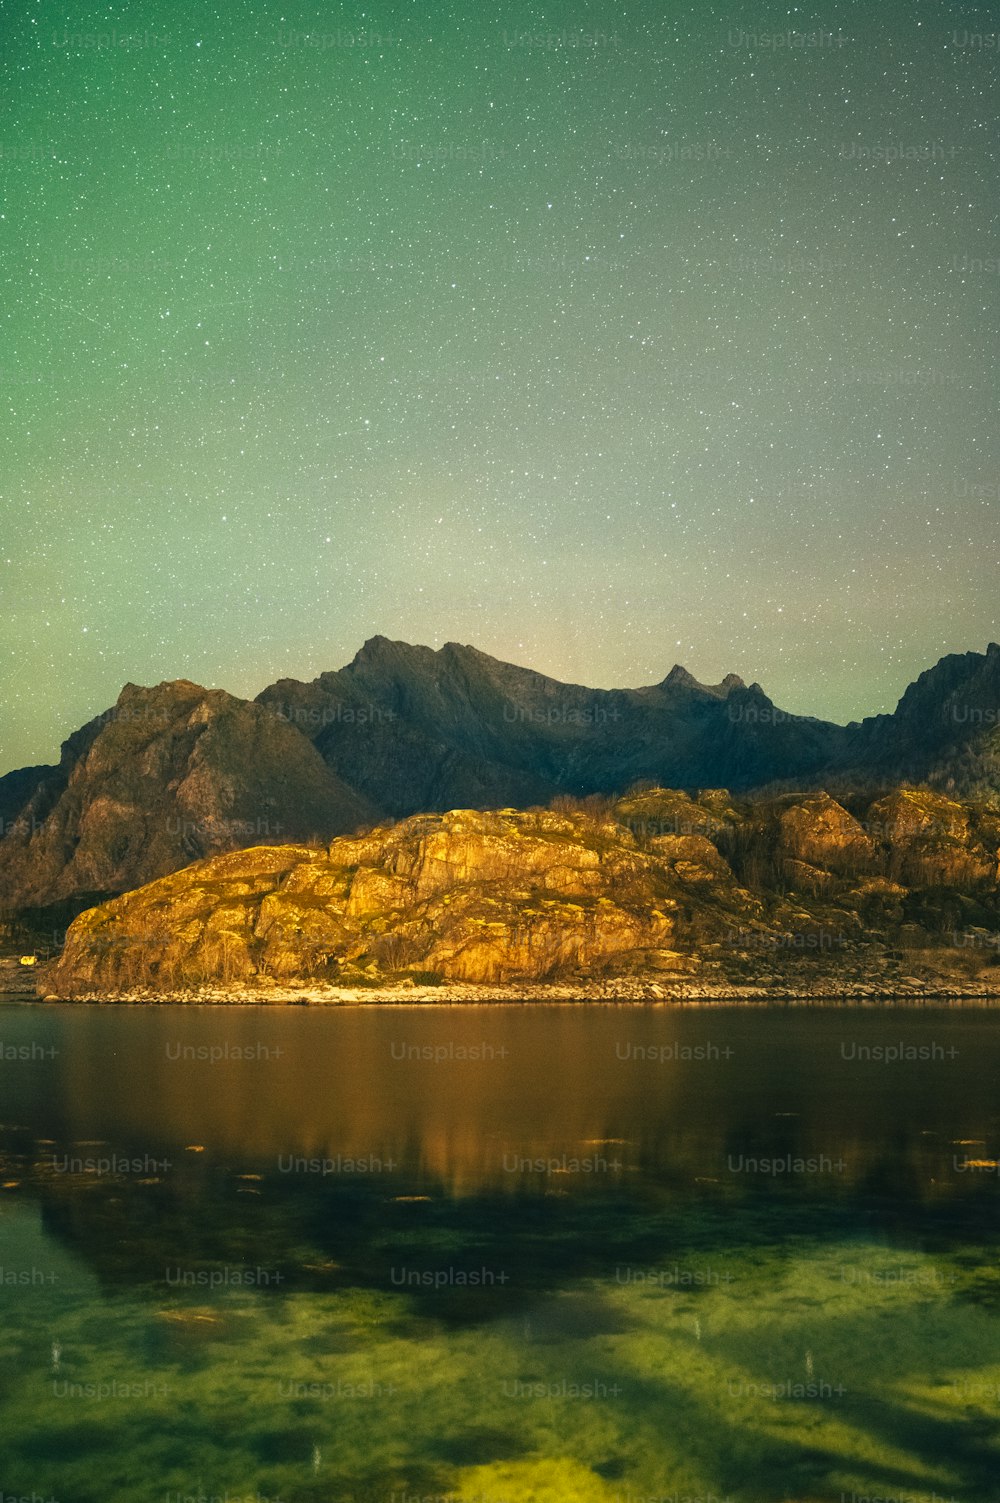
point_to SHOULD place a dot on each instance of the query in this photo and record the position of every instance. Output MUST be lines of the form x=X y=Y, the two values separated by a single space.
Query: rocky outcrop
x=932 y=839
x=654 y=884
x=462 y=896
x=819 y=832
x=168 y=775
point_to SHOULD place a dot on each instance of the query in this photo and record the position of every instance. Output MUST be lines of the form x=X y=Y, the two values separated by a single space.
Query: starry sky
x=599 y=336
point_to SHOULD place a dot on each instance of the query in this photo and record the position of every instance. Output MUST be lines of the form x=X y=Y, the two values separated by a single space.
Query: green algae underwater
x=494 y=1255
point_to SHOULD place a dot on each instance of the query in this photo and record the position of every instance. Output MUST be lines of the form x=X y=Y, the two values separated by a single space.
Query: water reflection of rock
x=467 y=1099
x=322 y=1144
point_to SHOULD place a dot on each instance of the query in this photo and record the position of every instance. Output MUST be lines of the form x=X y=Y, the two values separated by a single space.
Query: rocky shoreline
x=825 y=990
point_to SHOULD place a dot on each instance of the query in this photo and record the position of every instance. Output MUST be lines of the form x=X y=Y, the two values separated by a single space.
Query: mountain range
x=177 y=772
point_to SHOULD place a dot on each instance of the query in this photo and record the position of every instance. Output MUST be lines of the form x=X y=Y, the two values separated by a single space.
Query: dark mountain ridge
x=461 y=705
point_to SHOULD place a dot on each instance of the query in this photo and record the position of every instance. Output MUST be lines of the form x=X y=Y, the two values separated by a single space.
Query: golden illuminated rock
x=657 y=882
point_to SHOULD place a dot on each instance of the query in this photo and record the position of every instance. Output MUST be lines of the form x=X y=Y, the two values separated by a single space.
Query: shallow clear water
x=516 y=1253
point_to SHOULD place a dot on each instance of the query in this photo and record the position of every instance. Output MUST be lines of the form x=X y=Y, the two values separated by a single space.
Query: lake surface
x=496 y=1255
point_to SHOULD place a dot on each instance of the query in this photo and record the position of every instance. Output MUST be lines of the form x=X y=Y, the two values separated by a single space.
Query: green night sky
x=598 y=336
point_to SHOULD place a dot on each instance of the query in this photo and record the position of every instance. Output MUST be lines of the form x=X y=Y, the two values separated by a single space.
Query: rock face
x=819 y=832
x=931 y=839
x=170 y=774
x=656 y=882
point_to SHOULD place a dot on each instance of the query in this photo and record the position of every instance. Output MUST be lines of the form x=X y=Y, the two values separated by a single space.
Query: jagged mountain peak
x=379 y=649
x=680 y=678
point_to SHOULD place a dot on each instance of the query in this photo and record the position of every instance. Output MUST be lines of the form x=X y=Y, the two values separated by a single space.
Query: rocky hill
x=169 y=774
x=656 y=884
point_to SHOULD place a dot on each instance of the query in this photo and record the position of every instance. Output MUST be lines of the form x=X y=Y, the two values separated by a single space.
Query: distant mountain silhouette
x=177 y=772
x=417 y=730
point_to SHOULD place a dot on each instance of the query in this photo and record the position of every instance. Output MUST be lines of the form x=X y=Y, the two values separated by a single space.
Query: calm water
x=499 y=1255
